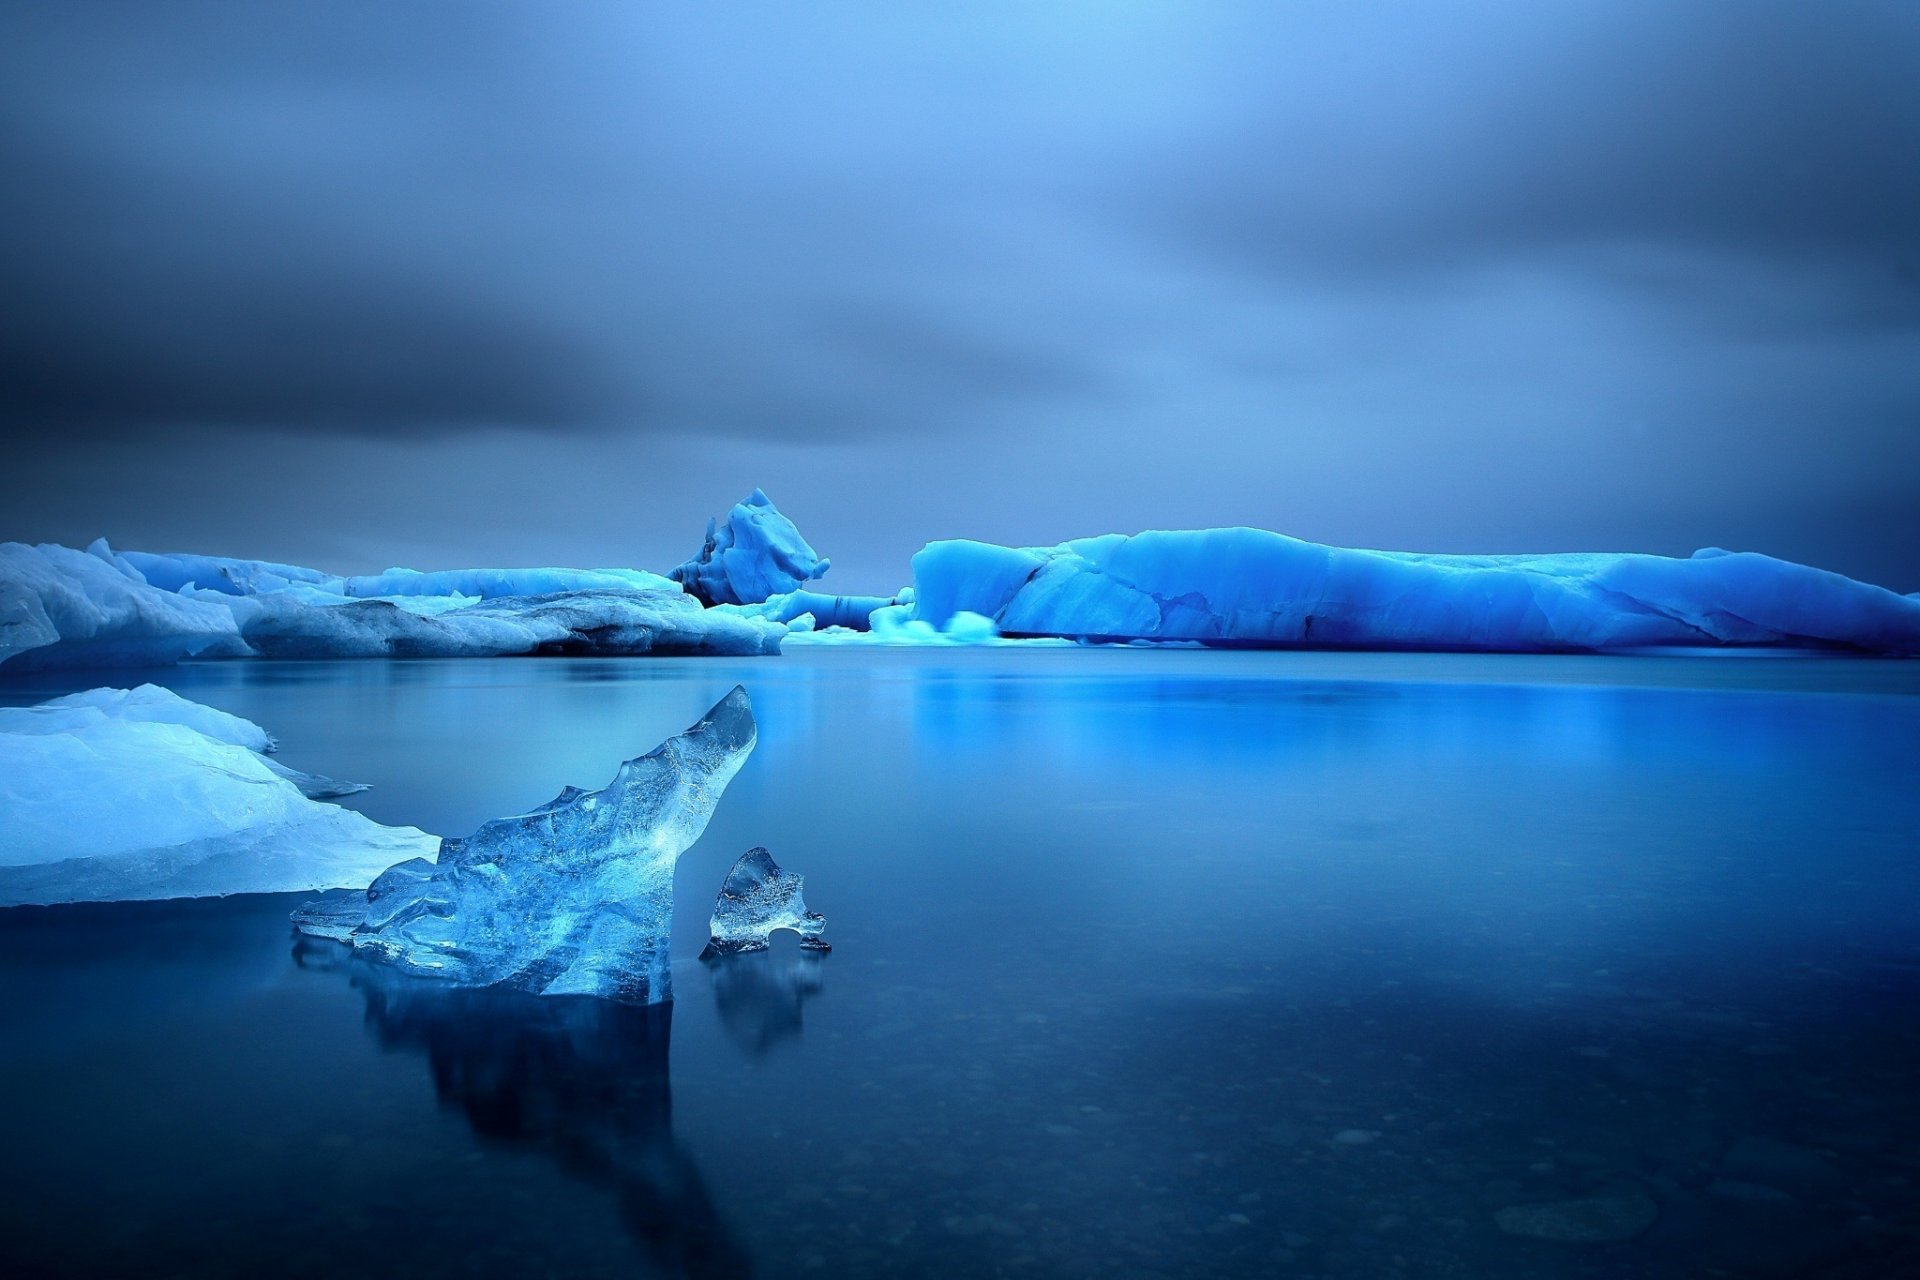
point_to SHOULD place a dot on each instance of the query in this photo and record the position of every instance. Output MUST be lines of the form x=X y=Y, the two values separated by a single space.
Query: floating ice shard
x=115 y=794
x=755 y=554
x=574 y=898
x=758 y=898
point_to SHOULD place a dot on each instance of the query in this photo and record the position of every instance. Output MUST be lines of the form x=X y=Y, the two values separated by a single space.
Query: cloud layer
x=1625 y=274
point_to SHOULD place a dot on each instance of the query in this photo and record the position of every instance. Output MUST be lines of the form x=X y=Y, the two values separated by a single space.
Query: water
x=1147 y=964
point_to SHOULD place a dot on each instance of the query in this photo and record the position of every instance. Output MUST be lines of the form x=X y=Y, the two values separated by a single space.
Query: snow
x=756 y=899
x=120 y=794
x=1251 y=587
x=572 y=898
x=755 y=554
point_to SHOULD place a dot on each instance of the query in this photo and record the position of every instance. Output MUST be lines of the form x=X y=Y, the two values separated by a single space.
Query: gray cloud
x=1474 y=277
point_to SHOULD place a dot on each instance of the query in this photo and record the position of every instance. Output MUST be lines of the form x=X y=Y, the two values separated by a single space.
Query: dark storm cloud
x=1455 y=276
x=1784 y=132
x=390 y=219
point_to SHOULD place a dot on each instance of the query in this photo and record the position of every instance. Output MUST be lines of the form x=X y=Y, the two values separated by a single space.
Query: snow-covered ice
x=572 y=898
x=1254 y=588
x=755 y=553
x=121 y=794
x=756 y=899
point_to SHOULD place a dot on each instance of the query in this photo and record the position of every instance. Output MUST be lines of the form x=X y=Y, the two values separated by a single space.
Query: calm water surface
x=1147 y=964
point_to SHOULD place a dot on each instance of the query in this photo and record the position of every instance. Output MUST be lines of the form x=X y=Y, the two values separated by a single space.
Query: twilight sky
x=368 y=284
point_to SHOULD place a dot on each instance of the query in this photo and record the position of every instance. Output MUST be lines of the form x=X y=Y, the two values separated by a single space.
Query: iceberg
x=1252 y=588
x=756 y=554
x=756 y=899
x=596 y=622
x=173 y=572
x=99 y=607
x=61 y=607
x=572 y=898
x=855 y=613
x=117 y=794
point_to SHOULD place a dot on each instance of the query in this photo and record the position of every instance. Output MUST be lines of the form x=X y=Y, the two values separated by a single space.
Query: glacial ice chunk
x=115 y=795
x=756 y=899
x=755 y=554
x=99 y=607
x=851 y=612
x=1254 y=588
x=580 y=623
x=228 y=576
x=572 y=898
x=61 y=607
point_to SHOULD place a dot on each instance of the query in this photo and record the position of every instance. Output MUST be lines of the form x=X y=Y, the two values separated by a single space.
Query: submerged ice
x=572 y=898
x=118 y=794
x=757 y=899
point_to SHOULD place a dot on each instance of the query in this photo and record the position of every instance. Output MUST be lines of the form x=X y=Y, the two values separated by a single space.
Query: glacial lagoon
x=1146 y=963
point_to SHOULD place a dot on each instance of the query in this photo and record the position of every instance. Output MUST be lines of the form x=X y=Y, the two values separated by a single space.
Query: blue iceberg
x=62 y=607
x=98 y=607
x=755 y=554
x=117 y=794
x=821 y=610
x=756 y=899
x=572 y=898
x=1258 y=589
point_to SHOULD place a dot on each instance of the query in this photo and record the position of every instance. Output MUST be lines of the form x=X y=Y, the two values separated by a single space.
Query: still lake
x=1146 y=964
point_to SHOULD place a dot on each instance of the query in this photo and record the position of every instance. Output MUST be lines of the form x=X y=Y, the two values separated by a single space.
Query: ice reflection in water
x=581 y=1080
x=759 y=995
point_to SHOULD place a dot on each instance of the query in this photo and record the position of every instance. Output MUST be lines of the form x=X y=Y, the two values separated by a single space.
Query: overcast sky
x=402 y=283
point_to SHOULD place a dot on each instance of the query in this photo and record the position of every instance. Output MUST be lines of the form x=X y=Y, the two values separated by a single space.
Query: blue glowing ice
x=1250 y=587
x=755 y=554
x=756 y=899
x=573 y=898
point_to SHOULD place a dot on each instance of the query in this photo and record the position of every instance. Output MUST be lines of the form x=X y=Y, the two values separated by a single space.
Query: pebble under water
x=1145 y=964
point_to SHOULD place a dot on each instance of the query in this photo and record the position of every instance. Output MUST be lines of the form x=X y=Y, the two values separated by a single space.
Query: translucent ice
x=756 y=899
x=755 y=554
x=116 y=794
x=1250 y=587
x=573 y=898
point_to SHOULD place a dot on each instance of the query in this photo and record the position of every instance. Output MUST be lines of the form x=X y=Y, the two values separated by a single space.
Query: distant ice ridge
x=812 y=618
x=572 y=898
x=757 y=899
x=1254 y=588
x=118 y=794
x=755 y=554
x=61 y=607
